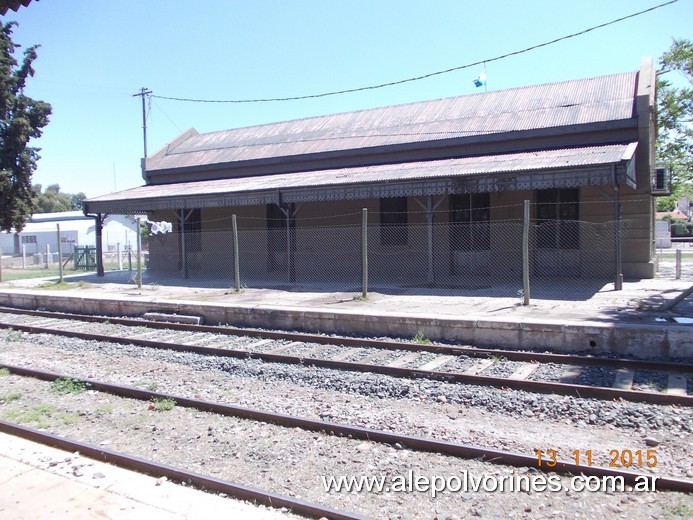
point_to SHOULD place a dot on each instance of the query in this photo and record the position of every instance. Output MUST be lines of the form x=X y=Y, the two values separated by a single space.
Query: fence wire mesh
x=441 y=252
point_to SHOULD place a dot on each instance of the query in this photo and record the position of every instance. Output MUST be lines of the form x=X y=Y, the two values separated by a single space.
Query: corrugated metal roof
x=591 y=100
x=546 y=160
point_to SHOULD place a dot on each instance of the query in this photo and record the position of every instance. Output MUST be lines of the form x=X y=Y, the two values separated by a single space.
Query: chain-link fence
x=414 y=253
x=547 y=256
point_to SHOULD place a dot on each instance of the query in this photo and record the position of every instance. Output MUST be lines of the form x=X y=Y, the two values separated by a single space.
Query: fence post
x=364 y=253
x=525 y=255
x=678 y=264
x=48 y=252
x=236 y=267
x=120 y=258
x=60 y=255
x=139 y=255
x=0 y=264
x=23 y=256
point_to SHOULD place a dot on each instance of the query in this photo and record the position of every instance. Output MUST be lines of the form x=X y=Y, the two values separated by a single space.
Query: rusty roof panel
x=545 y=160
x=591 y=100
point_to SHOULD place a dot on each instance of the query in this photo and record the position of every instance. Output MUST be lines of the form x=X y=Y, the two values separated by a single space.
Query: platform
x=42 y=482
x=593 y=320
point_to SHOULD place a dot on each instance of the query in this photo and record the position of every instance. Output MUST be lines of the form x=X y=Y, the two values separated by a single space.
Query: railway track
x=580 y=376
x=353 y=433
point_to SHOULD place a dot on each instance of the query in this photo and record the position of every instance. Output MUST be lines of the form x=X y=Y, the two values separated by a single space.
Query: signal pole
x=143 y=93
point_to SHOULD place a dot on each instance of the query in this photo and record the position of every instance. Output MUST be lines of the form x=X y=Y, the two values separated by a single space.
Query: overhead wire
x=424 y=76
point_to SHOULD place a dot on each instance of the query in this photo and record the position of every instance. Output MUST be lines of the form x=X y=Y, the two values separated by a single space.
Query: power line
x=425 y=76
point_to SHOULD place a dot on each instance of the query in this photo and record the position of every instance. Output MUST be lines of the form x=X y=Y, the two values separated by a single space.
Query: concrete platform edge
x=647 y=341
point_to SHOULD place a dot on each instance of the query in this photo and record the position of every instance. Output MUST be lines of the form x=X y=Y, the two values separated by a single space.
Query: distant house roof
x=59 y=217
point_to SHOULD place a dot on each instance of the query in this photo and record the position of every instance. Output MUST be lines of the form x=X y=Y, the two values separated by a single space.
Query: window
x=193 y=230
x=470 y=216
x=393 y=221
x=28 y=239
x=558 y=215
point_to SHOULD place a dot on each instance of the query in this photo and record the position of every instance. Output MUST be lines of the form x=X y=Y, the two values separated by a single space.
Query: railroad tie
x=677 y=384
x=523 y=371
x=282 y=348
x=436 y=363
x=479 y=366
x=375 y=356
x=624 y=379
x=258 y=344
x=569 y=375
x=348 y=352
x=412 y=356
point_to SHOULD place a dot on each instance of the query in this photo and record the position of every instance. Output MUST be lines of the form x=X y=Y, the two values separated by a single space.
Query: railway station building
x=441 y=186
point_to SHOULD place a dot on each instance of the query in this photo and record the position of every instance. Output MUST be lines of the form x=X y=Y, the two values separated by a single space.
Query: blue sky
x=95 y=54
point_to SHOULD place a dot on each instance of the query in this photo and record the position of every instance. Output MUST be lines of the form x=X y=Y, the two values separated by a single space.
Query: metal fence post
x=364 y=253
x=236 y=267
x=48 y=252
x=525 y=255
x=678 y=264
x=139 y=254
x=23 y=256
x=60 y=255
x=120 y=258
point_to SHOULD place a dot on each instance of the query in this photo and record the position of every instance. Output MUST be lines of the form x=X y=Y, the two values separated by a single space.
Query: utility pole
x=144 y=93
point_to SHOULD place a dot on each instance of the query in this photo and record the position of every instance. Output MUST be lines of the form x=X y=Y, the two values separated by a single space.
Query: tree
x=52 y=200
x=675 y=121
x=21 y=119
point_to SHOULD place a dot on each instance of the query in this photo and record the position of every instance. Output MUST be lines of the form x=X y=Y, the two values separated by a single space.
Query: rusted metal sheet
x=212 y=192
x=584 y=101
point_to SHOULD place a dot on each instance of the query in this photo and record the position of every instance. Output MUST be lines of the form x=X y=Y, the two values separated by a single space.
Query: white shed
x=75 y=230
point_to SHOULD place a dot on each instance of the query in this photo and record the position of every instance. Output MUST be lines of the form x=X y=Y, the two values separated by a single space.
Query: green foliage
x=674 y=116
x=161 y=404
x=12 y=336
x=4 y=372
x=8 y=398
x=69 y=386
x=37 y=415
x=52 y=200
x=421 y=338
x=21 y=119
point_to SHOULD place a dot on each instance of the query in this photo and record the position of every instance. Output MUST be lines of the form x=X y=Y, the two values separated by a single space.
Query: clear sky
x=95 y=54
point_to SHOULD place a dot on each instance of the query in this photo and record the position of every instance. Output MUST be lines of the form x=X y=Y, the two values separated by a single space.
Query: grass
x=69 y=386
x=8 y=398
x=681 y=510
x=496 y=359
x=12 y=335
x=4 y=371
x=37 y=415
x=161 y=404
x=421 y=338
x=61 y=286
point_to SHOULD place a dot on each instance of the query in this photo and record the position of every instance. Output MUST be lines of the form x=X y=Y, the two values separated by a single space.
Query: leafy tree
x=675 y=121
x=21 y=119
x=52 y=200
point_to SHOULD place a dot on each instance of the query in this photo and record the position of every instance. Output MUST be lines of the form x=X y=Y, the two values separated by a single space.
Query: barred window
x=558 y=215
x=393 y=221
x=470 y=215
x=28 y=239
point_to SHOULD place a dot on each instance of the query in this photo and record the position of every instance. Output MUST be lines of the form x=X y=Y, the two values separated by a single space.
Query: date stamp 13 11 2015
x=624 y=458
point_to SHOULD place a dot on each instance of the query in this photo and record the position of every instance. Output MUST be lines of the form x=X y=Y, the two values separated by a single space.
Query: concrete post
x=525 y=255
x=48 y=253
x=364 y=253
x=0 y=264
x=678 y=264
x=60 y=254
x=236 y=267
x=23 y=256
x=120 y=258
